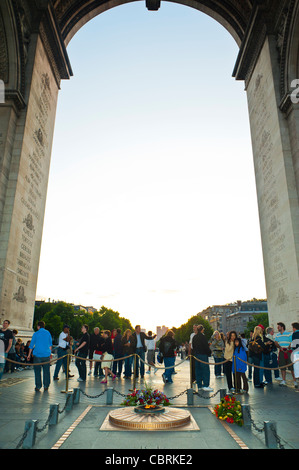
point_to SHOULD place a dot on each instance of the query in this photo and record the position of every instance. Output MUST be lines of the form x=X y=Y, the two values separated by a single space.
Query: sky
x=152 y=207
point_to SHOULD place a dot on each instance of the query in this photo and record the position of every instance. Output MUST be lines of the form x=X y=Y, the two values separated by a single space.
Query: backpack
x=255 y=347
x=166 y=347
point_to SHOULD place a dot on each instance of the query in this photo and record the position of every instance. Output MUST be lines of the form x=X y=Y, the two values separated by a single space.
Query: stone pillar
x=28 y=138
x=276 y=187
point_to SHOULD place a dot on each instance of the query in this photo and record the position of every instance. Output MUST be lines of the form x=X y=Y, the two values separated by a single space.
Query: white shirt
x=139 y=343
x=61 y=342
x=150 y=344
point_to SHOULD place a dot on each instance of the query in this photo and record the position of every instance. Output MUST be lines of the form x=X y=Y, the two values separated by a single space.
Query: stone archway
x=33 y=61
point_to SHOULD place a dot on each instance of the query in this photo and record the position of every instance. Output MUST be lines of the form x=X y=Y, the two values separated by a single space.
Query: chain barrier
x=261 y=430
x=206 y=397
x=45 y=425
x=189 y=357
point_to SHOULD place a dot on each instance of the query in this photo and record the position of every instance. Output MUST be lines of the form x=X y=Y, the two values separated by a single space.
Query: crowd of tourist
x=235 y=356
x=109 y=354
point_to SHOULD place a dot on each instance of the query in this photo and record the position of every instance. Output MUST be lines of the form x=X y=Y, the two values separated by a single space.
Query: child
x=241 y=367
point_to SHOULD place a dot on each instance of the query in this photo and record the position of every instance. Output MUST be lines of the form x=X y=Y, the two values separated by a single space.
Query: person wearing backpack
x=257 y=346
x=167 y=347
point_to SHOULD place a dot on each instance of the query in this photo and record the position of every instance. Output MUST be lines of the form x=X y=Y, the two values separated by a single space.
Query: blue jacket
x=240 y=366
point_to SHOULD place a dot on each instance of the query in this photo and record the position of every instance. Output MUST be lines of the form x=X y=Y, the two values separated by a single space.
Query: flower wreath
x=229 y=410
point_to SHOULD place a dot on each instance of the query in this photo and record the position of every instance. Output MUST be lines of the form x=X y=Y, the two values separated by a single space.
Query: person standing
x=283 y=341
x=62 y=350
x=295 y=350
x=202 y=352
x=228 y=356
x=107 y=349
x=12 y=354
x=127 y=351
x=94 y=339
x=6 y=338
x=256 y=347
x=217 y=348
x=151 y=347
x=273 y=362
x=81 y=352
x=118 y=353
x=191 y=353
x=139 y=348
x=239 y=366
x=40 y=348
x=167 y=347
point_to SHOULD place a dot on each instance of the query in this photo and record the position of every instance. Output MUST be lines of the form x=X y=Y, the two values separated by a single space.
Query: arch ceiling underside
x=234 y=15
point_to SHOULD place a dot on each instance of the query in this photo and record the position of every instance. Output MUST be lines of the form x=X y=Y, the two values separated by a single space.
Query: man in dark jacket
x=138 y=347
x=202 y=352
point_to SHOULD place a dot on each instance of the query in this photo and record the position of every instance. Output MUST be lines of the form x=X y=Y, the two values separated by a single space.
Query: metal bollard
x=246 y=414
x=69 y=401
x=76 y=398
x=270 y=439
x=222 y=393
x=54 y=414
x=190 y=397
x=109 y=399
x=30 y=427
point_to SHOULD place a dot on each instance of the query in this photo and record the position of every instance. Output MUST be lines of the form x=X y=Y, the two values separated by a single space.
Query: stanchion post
x=190 y=397
x=69 y=401
x=30 y=428
x=109 y=399
x=245 y=408
x=54 y=414
x=76 y=398
x=270 y=439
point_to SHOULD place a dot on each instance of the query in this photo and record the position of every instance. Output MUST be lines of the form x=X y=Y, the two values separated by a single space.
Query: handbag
x=160 y=357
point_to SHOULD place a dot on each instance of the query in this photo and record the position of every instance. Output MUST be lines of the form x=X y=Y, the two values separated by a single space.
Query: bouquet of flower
x=229 y=409
x=148 y=396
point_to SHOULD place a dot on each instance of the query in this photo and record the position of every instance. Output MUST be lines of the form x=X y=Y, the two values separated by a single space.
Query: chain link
x=93 y=396
x=260 y=430
x=206 y=397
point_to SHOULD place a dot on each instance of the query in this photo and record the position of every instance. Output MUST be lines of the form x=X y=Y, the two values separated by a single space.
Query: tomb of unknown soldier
x=34 y=36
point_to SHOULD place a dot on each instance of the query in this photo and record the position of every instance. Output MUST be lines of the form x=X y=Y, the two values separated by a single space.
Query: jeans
x=60 y=352
x=217 y=367
x=81 y=365
x=273 y=357
x=256 y=372
x=249 y=359
x=168 y=362
x=38 y=371
x=267 y=363
x=128 y=366
x=228 y=372
x=117 y=365
x=141 y=353
x=202 y=371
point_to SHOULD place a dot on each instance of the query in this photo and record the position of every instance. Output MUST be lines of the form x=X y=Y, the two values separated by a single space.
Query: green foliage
x=55 y=315
x=182 y=334
x=260 y=319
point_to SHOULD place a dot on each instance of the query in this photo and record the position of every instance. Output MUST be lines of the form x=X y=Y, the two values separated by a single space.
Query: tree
x=260 y=319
